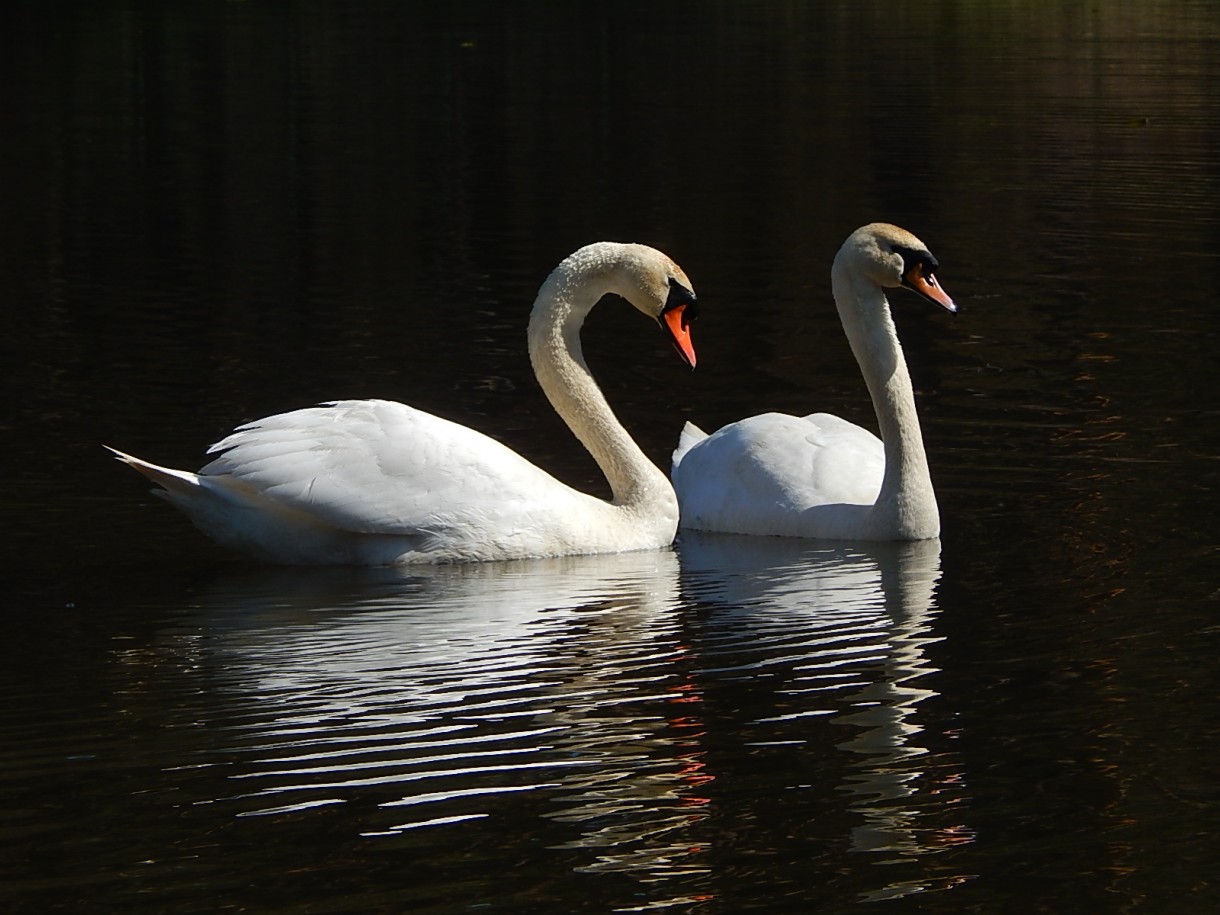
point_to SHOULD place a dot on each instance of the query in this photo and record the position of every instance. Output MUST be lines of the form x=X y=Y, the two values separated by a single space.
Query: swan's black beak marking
x=918 y=275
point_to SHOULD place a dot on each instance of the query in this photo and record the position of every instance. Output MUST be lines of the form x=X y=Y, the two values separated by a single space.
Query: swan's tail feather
x=174 y=482
x=690 y=437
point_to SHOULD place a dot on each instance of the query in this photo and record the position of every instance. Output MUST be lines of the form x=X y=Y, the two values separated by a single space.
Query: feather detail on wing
x=691 y=436
x=375 y=466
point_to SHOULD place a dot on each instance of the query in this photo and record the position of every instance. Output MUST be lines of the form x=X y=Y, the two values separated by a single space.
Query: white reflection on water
x=456 y=685
x=848 y=626
x=567 y=698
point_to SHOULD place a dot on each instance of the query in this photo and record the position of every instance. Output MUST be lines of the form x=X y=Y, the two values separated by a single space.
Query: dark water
x=214 y=211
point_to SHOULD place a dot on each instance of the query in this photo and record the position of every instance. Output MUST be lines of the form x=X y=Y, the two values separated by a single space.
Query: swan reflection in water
x=843 y=630
x=575 y=694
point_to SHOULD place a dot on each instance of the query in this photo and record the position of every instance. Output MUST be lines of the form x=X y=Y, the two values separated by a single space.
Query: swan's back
x=767 y=473
x=377 y=466
x=374 y=482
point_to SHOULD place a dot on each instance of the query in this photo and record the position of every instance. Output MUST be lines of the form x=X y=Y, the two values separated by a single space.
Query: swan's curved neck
x=906 y=504
x=563 y=303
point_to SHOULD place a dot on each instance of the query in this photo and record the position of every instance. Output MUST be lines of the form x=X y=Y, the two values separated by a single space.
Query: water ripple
x=588 y=697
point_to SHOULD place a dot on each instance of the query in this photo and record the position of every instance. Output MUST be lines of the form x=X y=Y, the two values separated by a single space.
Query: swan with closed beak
x=373 y=482
x=820 y=476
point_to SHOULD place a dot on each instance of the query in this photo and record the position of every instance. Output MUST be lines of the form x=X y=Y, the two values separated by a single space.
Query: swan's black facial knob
x=918 y=275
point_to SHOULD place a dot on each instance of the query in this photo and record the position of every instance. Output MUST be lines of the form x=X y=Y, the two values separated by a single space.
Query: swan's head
x=658 y=287
x=643 y=276
x=890 y=256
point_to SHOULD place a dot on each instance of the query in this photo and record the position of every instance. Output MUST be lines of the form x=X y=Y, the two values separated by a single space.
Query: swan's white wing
x=379 y=467
x=690 y=436
x=848 y=461
x=759 y=474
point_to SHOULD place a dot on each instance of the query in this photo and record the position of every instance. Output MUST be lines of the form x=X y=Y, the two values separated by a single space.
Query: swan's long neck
x=563 y=303
x=906 y=505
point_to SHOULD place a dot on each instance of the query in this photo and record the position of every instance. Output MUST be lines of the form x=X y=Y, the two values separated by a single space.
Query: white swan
x=821 y=476
x=373 y=482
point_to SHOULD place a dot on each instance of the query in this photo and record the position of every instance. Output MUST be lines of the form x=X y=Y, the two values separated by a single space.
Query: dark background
x=212 y=211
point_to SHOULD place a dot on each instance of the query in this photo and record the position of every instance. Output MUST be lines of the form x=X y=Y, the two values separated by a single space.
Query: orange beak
x=675 y=323
x=927 y=286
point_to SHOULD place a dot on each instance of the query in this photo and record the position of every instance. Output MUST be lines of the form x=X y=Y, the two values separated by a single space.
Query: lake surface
x=216 y=211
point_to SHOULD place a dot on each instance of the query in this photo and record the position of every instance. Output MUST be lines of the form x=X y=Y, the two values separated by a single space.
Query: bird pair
x=374 y=482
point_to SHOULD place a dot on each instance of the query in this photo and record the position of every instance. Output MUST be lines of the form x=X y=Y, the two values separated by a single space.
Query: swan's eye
x=916 y=266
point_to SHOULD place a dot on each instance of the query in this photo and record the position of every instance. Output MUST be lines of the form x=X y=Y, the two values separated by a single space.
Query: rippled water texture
x=216 y=211
x=622 y=715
